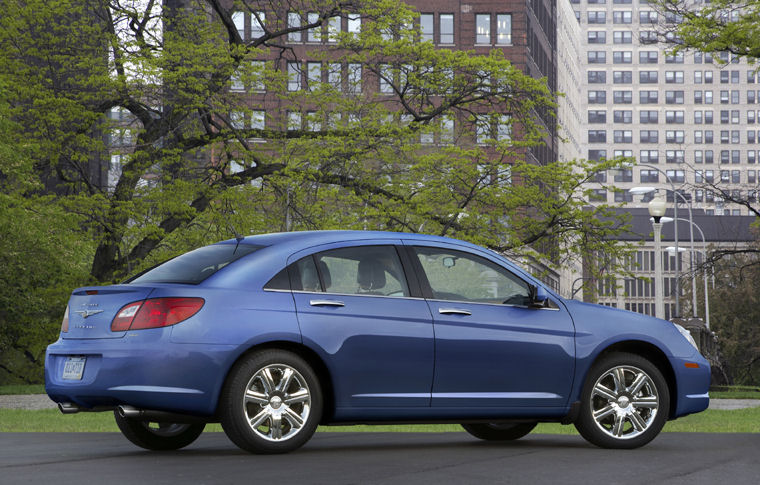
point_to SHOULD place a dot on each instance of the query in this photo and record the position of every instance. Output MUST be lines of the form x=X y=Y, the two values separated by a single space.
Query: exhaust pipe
x=131 y=412
x=68 y=408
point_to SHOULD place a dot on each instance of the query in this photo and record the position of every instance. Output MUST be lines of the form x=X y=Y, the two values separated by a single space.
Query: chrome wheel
x=277 y=402
x=624 y=402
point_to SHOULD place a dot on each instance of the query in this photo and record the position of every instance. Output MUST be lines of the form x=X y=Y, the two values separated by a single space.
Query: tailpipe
x=68 y=408
x=131 y=412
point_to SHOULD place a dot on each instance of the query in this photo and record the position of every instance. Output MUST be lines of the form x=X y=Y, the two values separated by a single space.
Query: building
x=692 y=119
x=636 y=292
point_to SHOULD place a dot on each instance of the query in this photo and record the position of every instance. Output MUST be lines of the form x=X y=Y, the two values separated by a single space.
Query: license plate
x=74 y=368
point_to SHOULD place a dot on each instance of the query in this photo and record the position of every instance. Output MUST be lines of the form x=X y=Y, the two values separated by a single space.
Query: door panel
x=377 y=342
x=492 y=348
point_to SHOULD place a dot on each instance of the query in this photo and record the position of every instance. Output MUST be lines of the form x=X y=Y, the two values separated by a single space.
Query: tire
x=625 y=402
x=158 y=436
x=271 y=402
x=499 y=431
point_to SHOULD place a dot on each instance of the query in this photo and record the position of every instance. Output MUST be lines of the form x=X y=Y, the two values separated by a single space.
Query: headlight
x=687 y=335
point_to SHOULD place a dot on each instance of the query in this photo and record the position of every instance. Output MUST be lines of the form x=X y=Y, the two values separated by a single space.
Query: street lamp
x=704 y=271
x=640 y=190
x=657 y=208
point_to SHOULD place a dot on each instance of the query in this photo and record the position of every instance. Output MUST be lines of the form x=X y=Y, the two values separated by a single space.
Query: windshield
x=195 y=266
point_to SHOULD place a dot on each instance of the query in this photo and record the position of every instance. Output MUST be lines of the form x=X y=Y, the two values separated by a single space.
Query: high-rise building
x=691 y=118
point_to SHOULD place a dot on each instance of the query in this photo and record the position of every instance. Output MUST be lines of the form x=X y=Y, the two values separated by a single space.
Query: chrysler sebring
x=272 y=335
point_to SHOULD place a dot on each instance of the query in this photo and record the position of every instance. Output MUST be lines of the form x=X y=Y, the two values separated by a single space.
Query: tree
x=734 y=309
x=190 y=151
x=718 y=26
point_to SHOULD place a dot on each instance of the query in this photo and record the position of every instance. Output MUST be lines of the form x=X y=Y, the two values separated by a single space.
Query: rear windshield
x=195 y=266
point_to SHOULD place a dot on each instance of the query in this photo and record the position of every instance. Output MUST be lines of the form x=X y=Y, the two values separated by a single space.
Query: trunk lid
x=92 y=309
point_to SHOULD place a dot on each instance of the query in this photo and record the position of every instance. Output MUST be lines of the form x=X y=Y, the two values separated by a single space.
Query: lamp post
x=657 y=208
x=704 y=272
x=644 y=190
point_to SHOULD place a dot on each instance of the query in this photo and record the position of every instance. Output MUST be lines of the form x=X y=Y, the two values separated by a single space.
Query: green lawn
x=51 y=420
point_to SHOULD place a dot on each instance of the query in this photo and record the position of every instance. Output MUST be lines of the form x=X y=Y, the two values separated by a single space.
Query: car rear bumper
x=157 y=374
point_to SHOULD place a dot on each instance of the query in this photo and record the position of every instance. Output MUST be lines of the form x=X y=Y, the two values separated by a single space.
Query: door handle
x=326 y=303
x=453 y=311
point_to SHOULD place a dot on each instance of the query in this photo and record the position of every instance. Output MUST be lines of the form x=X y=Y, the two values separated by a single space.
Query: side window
x=459 y=276
x=280 y=281
x=304 y=275
x=367 y=270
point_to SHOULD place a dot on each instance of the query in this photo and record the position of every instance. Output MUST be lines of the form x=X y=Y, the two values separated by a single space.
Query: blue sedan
x=272 y=335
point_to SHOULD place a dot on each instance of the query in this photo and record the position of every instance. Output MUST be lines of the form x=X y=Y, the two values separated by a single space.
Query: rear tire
x=271 y=402
x=625 y=402
x=158 y=436
x=499 y=431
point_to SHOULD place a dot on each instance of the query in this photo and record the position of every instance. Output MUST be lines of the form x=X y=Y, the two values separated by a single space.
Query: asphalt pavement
x=382 y=458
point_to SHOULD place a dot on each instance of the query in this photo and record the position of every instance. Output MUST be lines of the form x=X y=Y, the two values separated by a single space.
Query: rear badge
x=88 y=313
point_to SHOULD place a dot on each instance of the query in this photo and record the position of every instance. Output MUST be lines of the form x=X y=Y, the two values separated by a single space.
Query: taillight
x=155 y=313
x=65 y=322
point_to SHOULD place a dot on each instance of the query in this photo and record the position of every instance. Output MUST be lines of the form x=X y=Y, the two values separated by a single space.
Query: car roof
x=312 y=238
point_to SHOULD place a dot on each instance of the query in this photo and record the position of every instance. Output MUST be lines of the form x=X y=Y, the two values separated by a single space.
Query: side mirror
x=539 y=297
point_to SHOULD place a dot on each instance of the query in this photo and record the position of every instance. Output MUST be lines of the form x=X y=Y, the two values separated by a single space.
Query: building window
x=238 y=18
x=648 y=77
x=622 y=97
x=597 y=136
x=597 y=116
x=596 y=37
x=597 y=57
x=335 y=76
x=648 y=57
x=621 y=17
x=385 y=76
x=674 y=77
x=313 y=75
x=623 y=136
x=623 y=116
x=597 y=97
x=315 y=33
x=258 y=21
x=294 y=76
x=427 y=20
x=648 y=117
x=622 y=77
x=483 y=29
x=597 y=77
x=647 y=37
x=648 y=136
x=622 y=37
x=649 y=176
x=673 y=97
x=354 y=78
x=674 y=117
x=647 y=17
x=354 y=24
x=446 y=24
x=597 y=17
x=504 y=29
x=622 y=57
x=294 y=121
x=648 y=97
x=294 y=22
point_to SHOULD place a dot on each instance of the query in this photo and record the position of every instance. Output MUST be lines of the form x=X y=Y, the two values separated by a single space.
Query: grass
x=51 y=420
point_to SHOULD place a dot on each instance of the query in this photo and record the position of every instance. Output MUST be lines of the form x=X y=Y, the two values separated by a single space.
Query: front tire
x=271 y=402
x=625 y=402
x=158 y=436
x=499 y=431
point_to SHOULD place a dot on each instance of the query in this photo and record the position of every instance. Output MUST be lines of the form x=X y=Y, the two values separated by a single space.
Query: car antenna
x=231 y=227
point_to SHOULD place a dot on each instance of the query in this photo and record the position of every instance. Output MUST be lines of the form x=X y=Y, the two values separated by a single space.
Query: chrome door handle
x=453 y=311
x=326 y=303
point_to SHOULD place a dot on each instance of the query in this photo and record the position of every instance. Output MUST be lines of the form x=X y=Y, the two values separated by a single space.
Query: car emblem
x=88 y=313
